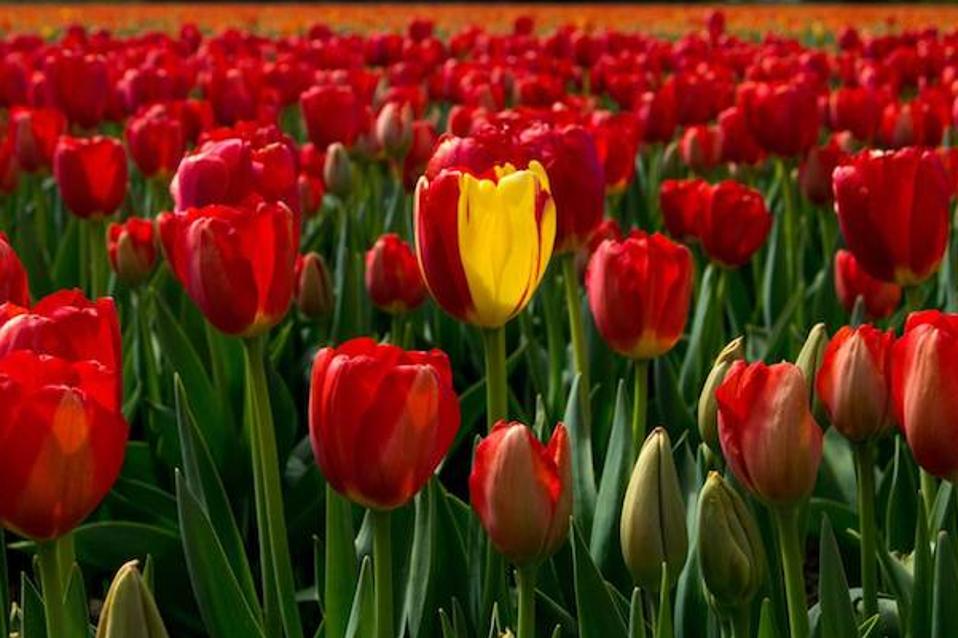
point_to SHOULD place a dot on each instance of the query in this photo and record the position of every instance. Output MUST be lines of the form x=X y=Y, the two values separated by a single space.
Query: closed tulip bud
x=731 y=553
x=522 y=491
x=91 y=175
x=815 y=172
x=708 y=408
x=393 y=280
x=639 y=291
x=924 y=386
x=13 y=277
x=652 y=528
x=332 y=113
x=156 y=141
x=394 y=128
x=682 y=202
x=35 y=133
x=338 y=170
x=733 y=205
x=313 y=287
x=854 y=379
x=809 y=358
x=131 y=247
x=130 y=610
x=768 y=434
x=701 y=147
x=851 y=282
x=381 y=419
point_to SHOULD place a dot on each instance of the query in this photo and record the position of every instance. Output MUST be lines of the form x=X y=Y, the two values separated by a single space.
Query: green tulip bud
x=338 y=170
x=130 y=610
x=708 y=408
x=731 y=555
x=810 y=357
x=652 y=528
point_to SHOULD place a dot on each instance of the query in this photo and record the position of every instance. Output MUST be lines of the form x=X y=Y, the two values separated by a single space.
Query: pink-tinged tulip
x=35 y=134
x=131 y=247
x=639 y=291
x=701 y=147
x=380 y=419
x=236 y=264
x=13 y=278
x=156 y=142
x=853 y=382
x=91 y=175
x=522 y=491
x=893 y=211
x=881 y=298
x=767 y=432
x=393 y=280
x=924 y=385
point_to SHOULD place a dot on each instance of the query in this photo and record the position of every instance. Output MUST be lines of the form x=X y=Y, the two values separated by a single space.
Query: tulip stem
x=640 y=404
x=929 y=492
x=791 y=252
x=786 y=528
x=383 y=572
x=51 y=580
x=526 y=585
x=97 y=257
x=497 y=398
x=866 y=518
x=580 y=350
x=277 y=567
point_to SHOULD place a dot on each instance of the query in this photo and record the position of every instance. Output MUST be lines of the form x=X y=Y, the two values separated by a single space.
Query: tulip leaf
x=774 y=275
x=705 y=332
x=944 y=620
x=921 y=595
x=340 y=564
x=671 y=407
x=146 y=500
x=226 y=612
x=604 y=541
x=838 y=617
x=899 y=582
x=418 y=582
x=583 y=470
x=663 y=624
x=766 y=621
x=448 y=631
x=550 y=613
x=201 y=477
x=636 y=615
x=362 y=618
x=32 y=620
x=597 y=613
x=943 y=507
x=75 y=603
x=902 y=507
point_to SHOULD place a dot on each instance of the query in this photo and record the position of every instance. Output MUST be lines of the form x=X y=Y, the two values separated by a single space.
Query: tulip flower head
x=91 y=174
x=13 y=277
x=851 y=282
x=313 y=286
x=522 y=491
x=393 y=280
x=131 y=247
x=35 y=133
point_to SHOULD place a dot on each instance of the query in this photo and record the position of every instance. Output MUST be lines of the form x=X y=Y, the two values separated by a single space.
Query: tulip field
x=636 y=322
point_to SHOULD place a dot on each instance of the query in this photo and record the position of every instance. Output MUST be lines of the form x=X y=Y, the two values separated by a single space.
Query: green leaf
x=902 y=508
x=705 y=331
x=362 y=618
x=944 y=619
x=671 y=407
x=146 y=500
x=340 y=575
x=75 y=602
x=943 y=507
x=598 y=616
x=448 y=631
x=838 y=617
x=766 y=622
x=32 y=620
x=604 y=541
x=226 y=612
x=636 y=615
x=583 y=470
x=663 y=624
x=899 y=582
x=921 y=595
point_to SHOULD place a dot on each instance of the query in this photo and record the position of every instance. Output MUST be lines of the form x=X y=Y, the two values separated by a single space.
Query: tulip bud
x=313 y=288
x=731 y=554
x=394 y=128
x=393 y=280
x=130 y=609
x=652 y=528
x=809 y=358
x=338 y=170
x=131 y=247
x=708 y=408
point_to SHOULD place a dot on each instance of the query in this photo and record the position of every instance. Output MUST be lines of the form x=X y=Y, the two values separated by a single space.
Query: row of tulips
x=267 y=332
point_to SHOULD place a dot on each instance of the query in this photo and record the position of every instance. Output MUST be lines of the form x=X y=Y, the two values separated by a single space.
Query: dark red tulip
x=881 y=298
x=91 y=175
x=856 y=109
x=156 y=142
x=783 y=117
x=682 y=202
x=380 y=419
x=738 y=143
x=332 y=113
x=393 y=280
x=35 y=134
x=131 y=247
x=13 y=278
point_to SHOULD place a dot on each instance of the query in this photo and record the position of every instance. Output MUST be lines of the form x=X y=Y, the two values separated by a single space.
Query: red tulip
x=783 y=117
x=9 y=171
x=924 y=384
x=236 y=264
x=131 y=246
x=617 y=139
x=701 y=147
x=156 y=142
x=815 y=173
x=738 y=143
x=656 y=113
x=13 y=278
x=734 y=223
x=522 y=491
x=881 y=298
x=78 y=84
x=35 y=133
x=682 y=202
x=893 y=211
x=424 y=138
x=332 y=114
x=856 y=109
x=91 y=175
x=393 y=280
x=380 y=419
x=853 y=381
x=639 y=291
x=767 y=432
x=912 y=123
x=62 y=441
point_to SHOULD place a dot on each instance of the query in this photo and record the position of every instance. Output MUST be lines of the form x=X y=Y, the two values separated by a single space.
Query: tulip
x=522 y=491
x=682 y=201
x=394 y=128
x=332 y=114
x=13 y=278
x=851 y=282
x=236 y=264
x=910 y=124
x=393 y=280
x=855 y=109
x=337 y=170
x=733 y=224
x=701 y=147
x=78 y=84
x=731 y=552
x=35 y=133
x=656 y=113
x=783 y=117
x=893 y=211
x=129 y=608
x=131 y=247
x=617 y=139
x=156 y=142
x=484 y=242
x=313 y=287
x=815 y=172
x=424 y=138
x=91 y=175
x=707 y=406
x=652 y=528
x=738 y=143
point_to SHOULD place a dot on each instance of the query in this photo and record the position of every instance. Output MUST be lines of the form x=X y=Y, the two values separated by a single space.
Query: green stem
x=580 y=350
x=640 y=404
x=383 y=572
x=786 y=528
x=741 y=621
x=97 y=257
x=866 y=516
x=51 y=580
x=497 y=397
x=277 y=559
x=548 y=297
x=83 y=254
x=929 y=492
x=526 y=584
x=337 y=599
x=396 y=330
x=791 y=252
